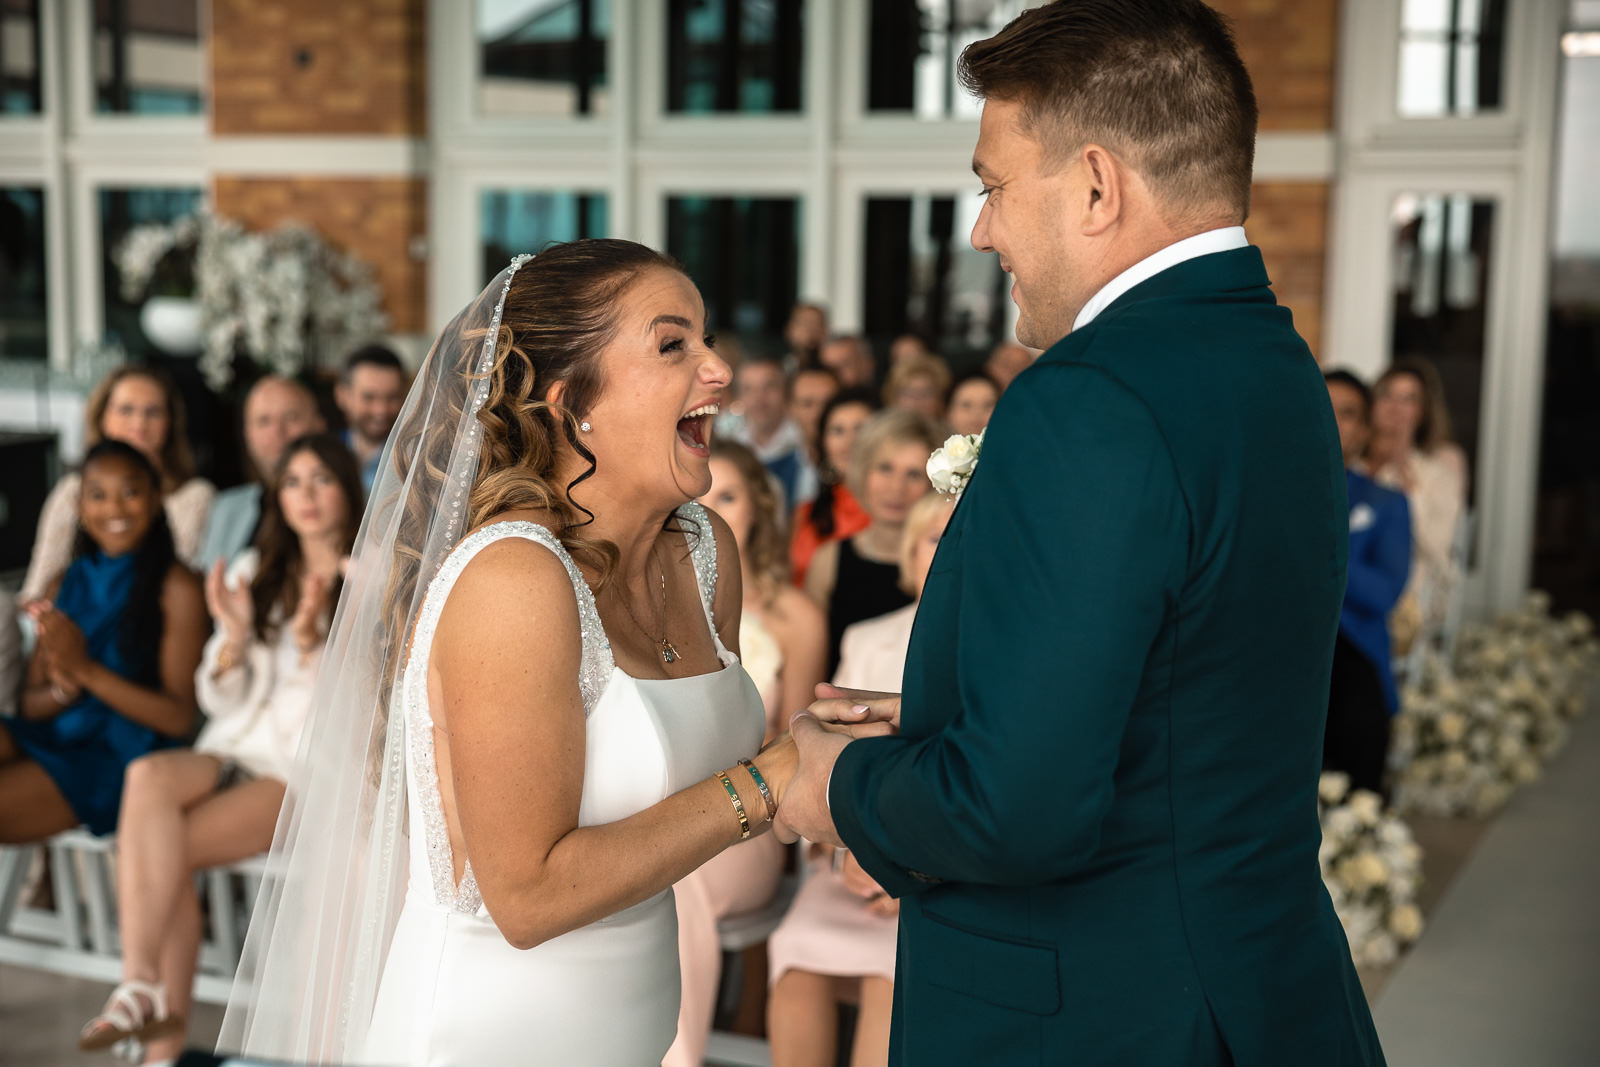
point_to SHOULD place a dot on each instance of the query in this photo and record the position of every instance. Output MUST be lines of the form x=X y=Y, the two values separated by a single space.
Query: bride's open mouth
x=694 y=429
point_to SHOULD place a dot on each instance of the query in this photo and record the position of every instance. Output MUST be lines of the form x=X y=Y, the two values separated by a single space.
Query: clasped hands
x=801 y=762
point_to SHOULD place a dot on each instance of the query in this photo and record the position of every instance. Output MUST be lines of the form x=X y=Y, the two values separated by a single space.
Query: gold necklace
x=669 y=652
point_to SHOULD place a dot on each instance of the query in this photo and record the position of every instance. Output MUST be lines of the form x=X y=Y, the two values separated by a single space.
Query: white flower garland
x=1372 y=867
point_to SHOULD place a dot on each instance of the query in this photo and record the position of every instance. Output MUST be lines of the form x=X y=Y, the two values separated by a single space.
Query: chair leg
x=100 y=899
x=65 y=883
x=13 y=872
x=224 y=928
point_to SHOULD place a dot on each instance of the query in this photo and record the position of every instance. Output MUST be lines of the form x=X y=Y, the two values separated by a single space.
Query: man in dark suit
x=1100 y=811
x=1362 y=698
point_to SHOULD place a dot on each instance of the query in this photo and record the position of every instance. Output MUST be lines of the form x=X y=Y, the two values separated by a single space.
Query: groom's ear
x=1104 y=177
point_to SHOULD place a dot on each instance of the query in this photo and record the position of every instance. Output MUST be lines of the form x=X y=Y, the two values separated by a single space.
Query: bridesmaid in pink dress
x=783 y=639
x=838 y=940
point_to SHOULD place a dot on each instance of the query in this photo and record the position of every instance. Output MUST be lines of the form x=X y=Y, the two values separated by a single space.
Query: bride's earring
x=584 y=426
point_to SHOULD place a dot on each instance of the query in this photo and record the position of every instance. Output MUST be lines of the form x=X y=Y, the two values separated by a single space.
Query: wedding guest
x=971 y=403
x=848 y=356
x=277 y=410
x=810 y=389
x=186 y=810
x=1411 y=450
x=909 y=345
x=764 y=426
x=918 y=384
x=369 y=395
x=838 y=937
x=111 y=677
x=137 y=405
x=806 y=330
x=859 y=577
x=1362 y=698
x=1007 y=360
x=835 y=513
x=783 y=639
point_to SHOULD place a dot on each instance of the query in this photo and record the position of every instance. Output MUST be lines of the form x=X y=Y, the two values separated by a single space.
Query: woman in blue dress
x=112 y=675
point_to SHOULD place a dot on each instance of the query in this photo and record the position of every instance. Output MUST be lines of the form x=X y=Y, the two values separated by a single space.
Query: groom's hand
x=852 y=706
x=803 y=812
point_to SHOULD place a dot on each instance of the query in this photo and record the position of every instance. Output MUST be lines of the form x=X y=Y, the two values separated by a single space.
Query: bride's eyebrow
x=668 y=320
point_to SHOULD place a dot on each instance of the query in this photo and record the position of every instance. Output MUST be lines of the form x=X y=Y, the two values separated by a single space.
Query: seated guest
x=972 y=400
x=1362 y=698
x=848 y=356
x=276 y=411
x=810 y=389
x=919 y=385
x=111 y=677
x=138 y=406
x=834 y=514
x=908 y=345
x=782 y=641
x=184 y=811
x=763 y=426
x=1007 y=360
x=1410 y=450
x=804 y=333
x=369 y=395
x=859 y=577
x=839 y=935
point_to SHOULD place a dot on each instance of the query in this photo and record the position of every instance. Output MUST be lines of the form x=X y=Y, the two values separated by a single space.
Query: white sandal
x=125 y=1018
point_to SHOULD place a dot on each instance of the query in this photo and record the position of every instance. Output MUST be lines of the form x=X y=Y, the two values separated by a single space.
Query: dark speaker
x=27 y=471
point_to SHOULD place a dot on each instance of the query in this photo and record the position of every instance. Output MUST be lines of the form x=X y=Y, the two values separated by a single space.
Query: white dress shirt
x=1226 y=239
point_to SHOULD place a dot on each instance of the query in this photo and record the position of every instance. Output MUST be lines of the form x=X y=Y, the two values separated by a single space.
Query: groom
x=1100 y=810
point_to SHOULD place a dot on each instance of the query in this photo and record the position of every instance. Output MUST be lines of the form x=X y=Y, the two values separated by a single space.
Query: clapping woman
x=185 y=811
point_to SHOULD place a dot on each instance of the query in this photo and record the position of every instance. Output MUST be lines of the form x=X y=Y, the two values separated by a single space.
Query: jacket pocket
x=1008 y=972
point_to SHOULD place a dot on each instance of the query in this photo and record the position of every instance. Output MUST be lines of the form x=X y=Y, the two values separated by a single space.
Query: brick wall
x=1289 y=221
x=375 y=219
x=1289 y=46
x=318 y=66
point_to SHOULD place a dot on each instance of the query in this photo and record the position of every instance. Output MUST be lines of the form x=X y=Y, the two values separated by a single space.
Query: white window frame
x=1503 y=156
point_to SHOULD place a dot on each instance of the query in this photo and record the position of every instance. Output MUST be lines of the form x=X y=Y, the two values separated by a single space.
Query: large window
x=922 y=275
x=148 y=58
x=744 y=254
x=516 y=221
x=1451 y=57
x=913 y=47
x=23 y=303
x=733 y=55
x=120 y=211
x=19 y=57
x=542 y=58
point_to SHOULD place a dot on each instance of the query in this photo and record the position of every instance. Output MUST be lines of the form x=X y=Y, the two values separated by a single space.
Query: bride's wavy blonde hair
x=561 y=310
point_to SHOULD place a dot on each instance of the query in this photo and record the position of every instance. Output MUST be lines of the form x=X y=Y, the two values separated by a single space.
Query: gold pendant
x=668 y=653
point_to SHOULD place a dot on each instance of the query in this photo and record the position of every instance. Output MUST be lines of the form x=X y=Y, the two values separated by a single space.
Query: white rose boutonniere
x=950 y=467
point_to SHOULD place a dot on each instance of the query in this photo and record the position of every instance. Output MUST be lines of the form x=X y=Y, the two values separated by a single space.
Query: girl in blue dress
x=112 y=675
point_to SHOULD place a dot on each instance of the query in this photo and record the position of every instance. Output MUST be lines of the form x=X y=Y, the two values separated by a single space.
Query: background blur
x=1425 y=185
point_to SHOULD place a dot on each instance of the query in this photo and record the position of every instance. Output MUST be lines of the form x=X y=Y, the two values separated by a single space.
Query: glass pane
x=734 y=55
x=744 y=254
x=1451 y=54
x=1566 y=559
x=513 y=221
x=923 y=276
x=148 y=57
x=543 y=58
x=22 y=275
x=1442 y=253
x=120 y=211
x=19 y=57
x=913 y=48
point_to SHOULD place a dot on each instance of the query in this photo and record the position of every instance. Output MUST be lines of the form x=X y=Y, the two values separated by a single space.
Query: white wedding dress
x=453 y=990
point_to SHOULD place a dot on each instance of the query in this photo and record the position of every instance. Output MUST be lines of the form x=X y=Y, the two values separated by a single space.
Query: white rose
x=1326 y=853
x=1454 y=764
x=1340 y=823
x=1451 y=726
x=1380 y=950
x=1332 y=786
x=960 y=453
x=940 y=472
x=1405 y=922
x=1525 y=770
x=1367 y=807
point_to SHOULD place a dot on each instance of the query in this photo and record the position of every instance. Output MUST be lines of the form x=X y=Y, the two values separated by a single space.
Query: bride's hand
x=855 y=707
x=777 y=763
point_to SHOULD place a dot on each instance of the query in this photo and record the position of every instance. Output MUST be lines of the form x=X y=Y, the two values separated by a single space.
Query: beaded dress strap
x=697 y=530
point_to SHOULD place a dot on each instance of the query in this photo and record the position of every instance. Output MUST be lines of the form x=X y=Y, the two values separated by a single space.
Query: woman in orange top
x=835 y=514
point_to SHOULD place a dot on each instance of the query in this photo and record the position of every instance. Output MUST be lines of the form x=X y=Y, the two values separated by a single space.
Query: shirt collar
x=1226 y=239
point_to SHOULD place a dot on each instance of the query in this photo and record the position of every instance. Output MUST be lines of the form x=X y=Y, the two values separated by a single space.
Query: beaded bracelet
x=738 y=805
x=761 y=784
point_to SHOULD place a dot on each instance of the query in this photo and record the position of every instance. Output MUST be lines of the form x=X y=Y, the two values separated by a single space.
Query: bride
x=532 y=719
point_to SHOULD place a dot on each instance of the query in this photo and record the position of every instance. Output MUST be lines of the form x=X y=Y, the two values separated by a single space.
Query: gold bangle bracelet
x=761 y=784
x=738 y=805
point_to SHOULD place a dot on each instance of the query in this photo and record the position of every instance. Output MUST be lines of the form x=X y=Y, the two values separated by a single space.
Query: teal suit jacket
x=1100 y=813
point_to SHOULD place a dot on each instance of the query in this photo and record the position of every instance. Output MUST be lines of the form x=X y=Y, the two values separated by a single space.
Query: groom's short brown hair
x=1158 y=82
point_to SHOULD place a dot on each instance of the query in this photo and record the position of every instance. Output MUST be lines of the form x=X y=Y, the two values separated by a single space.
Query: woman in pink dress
x=783 y=641
x=838 y=940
